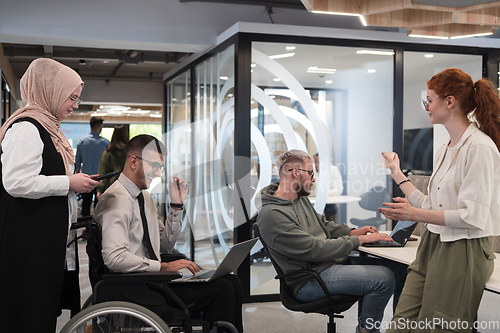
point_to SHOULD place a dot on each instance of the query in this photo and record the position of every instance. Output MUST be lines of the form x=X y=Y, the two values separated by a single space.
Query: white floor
x=273 y=317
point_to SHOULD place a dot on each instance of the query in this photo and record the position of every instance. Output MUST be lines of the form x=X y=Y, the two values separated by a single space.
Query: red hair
x=478 y=99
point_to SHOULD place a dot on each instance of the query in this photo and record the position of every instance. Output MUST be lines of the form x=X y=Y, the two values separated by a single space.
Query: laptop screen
x=403 y=231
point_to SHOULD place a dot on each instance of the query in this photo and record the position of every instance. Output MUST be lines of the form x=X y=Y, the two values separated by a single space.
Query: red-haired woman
x=454 y=261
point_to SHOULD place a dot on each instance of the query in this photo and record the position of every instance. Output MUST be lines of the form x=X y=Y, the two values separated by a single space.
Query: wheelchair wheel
x=88 y=302
x=115 y=317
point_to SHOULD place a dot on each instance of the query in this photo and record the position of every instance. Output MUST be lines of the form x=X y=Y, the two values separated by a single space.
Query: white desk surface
x=337 y=199
x=407 y=254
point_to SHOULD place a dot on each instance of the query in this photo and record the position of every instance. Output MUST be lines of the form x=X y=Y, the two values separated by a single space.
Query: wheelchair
x=116 y=317
x=125 y=303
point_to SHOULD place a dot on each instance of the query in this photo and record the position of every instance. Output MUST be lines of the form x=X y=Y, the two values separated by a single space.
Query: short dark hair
x=145 y=141
x=96 y=121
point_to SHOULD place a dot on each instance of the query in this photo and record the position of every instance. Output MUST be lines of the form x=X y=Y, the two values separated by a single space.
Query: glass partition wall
x=332 y=101
x=233 y=110
x=178 y=141
x=201 y=151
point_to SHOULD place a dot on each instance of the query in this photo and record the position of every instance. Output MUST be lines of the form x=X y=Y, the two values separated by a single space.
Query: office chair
x=331 y=305
x=147 y=289
x=372 y=200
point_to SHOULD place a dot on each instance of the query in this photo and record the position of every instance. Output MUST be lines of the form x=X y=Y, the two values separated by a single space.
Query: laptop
x=401 y=233
x=229 y=264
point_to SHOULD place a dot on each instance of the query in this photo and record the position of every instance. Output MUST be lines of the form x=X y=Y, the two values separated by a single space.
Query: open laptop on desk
x=401 y=233
x=229 y=264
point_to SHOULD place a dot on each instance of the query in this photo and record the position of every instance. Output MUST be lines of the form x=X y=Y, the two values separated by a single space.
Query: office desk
x=338 y=199
x=407 y=254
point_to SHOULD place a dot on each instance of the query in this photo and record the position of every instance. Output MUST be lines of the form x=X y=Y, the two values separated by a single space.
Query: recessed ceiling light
x=425 y=36
x=290 y=48
x=276 y=79
x=371 y=70
x=321 y=70
x=328 y=81
x=223 y=78
x=429 y=55
x=363 y=21
x=253 y=65
x=473 y=35
x=375 y=52
x=284 y=55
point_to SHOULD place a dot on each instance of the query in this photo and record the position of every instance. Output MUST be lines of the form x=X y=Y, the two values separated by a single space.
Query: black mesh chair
x=331 y=305
x=148 y=289
x=371 y=201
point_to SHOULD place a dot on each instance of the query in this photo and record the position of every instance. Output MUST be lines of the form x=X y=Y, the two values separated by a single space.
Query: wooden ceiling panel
x=397 y=18
x=427 y=19
x=369 y=7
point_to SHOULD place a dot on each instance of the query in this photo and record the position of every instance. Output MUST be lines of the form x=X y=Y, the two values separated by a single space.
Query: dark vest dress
x=33 y=236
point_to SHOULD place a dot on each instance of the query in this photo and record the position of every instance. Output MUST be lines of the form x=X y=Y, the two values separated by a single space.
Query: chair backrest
x=257 y=233
x=374 y=198
x=286 y=295
x=94 y=248
x=322 y=305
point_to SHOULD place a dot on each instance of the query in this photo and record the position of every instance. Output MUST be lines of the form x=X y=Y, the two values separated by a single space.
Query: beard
x=301 y=189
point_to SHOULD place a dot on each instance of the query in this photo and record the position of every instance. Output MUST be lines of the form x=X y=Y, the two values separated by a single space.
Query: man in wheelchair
x=127 y=246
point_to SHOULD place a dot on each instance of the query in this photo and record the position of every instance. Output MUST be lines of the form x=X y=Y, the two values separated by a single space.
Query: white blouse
x=21 y=157
x=467 y=189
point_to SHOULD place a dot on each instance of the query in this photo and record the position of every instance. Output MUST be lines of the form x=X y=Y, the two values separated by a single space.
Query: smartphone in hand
x=108 y=175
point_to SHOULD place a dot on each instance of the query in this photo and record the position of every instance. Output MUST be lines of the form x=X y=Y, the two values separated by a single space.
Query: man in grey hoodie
x=299 y=238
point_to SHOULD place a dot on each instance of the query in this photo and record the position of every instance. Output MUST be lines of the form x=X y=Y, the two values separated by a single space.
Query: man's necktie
x=146 y=239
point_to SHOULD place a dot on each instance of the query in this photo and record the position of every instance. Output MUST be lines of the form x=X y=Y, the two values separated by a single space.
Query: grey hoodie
x=299 y=238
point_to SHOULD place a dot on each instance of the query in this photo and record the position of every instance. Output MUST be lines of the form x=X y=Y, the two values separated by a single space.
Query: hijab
x=45 y=86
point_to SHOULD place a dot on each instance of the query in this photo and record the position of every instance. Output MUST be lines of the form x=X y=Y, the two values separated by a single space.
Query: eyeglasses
x=76 y=101
x=154 y=165
x=310 y=172
x=426 y=103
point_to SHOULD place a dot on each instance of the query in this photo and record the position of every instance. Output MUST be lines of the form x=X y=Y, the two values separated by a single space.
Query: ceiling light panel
x=280 y=56
x=321 y=70
x=375 y=52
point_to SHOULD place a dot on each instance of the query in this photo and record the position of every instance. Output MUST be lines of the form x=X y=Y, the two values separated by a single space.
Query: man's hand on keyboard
x=178 y=265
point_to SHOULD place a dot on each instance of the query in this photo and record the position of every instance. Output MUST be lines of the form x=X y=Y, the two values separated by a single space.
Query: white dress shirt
x=22 y=150
x=118 y=213
x=467 y=188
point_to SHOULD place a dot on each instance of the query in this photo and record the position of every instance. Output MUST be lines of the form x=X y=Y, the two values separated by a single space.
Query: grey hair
x=290 y=156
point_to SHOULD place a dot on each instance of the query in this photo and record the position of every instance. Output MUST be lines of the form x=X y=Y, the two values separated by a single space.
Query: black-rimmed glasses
x=76 y=101
x=154 y=165
x=310 y=172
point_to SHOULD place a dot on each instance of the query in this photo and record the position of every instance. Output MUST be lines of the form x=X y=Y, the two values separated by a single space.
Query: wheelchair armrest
x=81 y=222
x=141 y=277
x=168 y=257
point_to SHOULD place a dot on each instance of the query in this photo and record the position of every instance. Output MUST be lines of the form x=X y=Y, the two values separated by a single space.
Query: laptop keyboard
x=384 y=243
x=202 y=276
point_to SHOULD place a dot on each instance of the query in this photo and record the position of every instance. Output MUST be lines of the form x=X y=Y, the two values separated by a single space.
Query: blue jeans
x=376 y=279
